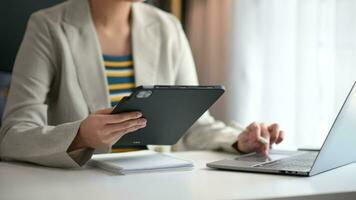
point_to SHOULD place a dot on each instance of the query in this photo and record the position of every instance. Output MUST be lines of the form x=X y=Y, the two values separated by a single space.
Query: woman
x=80 y=57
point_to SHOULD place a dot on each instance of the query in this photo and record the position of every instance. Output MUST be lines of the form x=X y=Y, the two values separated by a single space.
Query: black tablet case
x=170 y=111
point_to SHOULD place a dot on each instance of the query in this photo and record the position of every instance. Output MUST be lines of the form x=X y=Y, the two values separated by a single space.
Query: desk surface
x=25 y=181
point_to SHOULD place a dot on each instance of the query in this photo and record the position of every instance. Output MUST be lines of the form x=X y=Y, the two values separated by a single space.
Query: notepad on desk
x=139 y=162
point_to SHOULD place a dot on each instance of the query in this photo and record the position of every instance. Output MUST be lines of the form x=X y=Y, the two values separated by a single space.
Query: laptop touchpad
x=259 y=158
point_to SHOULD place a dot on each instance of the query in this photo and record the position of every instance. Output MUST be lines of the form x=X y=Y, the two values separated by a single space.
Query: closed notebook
x=139 y=161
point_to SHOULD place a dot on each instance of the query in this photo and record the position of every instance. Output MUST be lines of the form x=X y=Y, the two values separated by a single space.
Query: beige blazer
x=58 y=79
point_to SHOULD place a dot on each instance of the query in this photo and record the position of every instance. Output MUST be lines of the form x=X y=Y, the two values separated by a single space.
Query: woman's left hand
x=249 y=140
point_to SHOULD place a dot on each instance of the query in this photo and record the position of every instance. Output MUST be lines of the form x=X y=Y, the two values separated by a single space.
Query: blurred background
x=286 y=61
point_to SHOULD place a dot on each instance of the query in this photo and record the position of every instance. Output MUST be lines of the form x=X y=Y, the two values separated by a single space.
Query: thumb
x=104 y=111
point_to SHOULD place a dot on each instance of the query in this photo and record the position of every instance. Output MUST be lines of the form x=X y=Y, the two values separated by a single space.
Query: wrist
x=77 y=143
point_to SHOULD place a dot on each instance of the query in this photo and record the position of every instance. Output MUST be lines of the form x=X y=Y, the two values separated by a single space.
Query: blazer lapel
x=87 y=55
x=146 y=46
x=83 y=41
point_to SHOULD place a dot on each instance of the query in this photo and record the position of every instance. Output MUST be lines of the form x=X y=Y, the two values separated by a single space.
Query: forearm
x=46 y=145
x=210 y=134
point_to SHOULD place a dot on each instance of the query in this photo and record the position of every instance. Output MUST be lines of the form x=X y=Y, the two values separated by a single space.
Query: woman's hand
x=102 y=130
x=248 y=141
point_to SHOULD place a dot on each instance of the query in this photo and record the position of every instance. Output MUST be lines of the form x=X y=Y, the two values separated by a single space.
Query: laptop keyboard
x=302 y=162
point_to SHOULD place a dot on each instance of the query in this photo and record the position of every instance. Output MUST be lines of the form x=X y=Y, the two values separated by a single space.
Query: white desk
x=25 y=181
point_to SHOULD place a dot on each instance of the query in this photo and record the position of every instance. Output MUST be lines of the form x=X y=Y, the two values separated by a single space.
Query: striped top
x=119 y=72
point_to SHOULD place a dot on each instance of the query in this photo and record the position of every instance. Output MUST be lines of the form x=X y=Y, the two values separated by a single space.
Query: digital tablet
x=170 y=111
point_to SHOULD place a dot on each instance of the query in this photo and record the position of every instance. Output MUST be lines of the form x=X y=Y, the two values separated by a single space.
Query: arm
x=25 y=134
x=208 y=133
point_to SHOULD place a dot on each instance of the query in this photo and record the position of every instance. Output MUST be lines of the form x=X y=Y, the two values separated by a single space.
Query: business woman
x=78 y=59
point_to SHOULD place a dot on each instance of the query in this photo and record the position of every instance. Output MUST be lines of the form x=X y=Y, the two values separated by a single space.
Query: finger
x=104 y=111
x=112 y=128
x=132 y=129
x=122 y=117
x=274 y=133
x=280 y=137
x=116 y=136
x=264 y=148
x=253 y=126
x=254 y=133
x=254 y=129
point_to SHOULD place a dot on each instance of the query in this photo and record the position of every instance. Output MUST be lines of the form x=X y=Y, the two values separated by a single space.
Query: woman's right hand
x=102 y=129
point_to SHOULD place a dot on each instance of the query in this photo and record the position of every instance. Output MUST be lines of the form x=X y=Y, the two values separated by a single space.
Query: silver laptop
x=339 y=149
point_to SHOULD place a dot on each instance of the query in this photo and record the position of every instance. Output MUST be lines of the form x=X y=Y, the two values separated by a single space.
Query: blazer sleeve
x=25 y=134
x=207 y=133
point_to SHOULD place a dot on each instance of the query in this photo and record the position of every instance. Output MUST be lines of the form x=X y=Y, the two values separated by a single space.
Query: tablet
x=170 y=111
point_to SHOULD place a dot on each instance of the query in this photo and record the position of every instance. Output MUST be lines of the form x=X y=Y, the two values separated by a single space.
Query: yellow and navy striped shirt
x=119 y=71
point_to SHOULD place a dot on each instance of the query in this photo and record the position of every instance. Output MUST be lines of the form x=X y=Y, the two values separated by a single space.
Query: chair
x=4 y=85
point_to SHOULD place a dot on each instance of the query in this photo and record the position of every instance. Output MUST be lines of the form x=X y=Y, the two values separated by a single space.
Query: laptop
x=338 y=149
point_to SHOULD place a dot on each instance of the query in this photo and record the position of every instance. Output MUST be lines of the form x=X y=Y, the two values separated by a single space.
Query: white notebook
x=138 y=162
